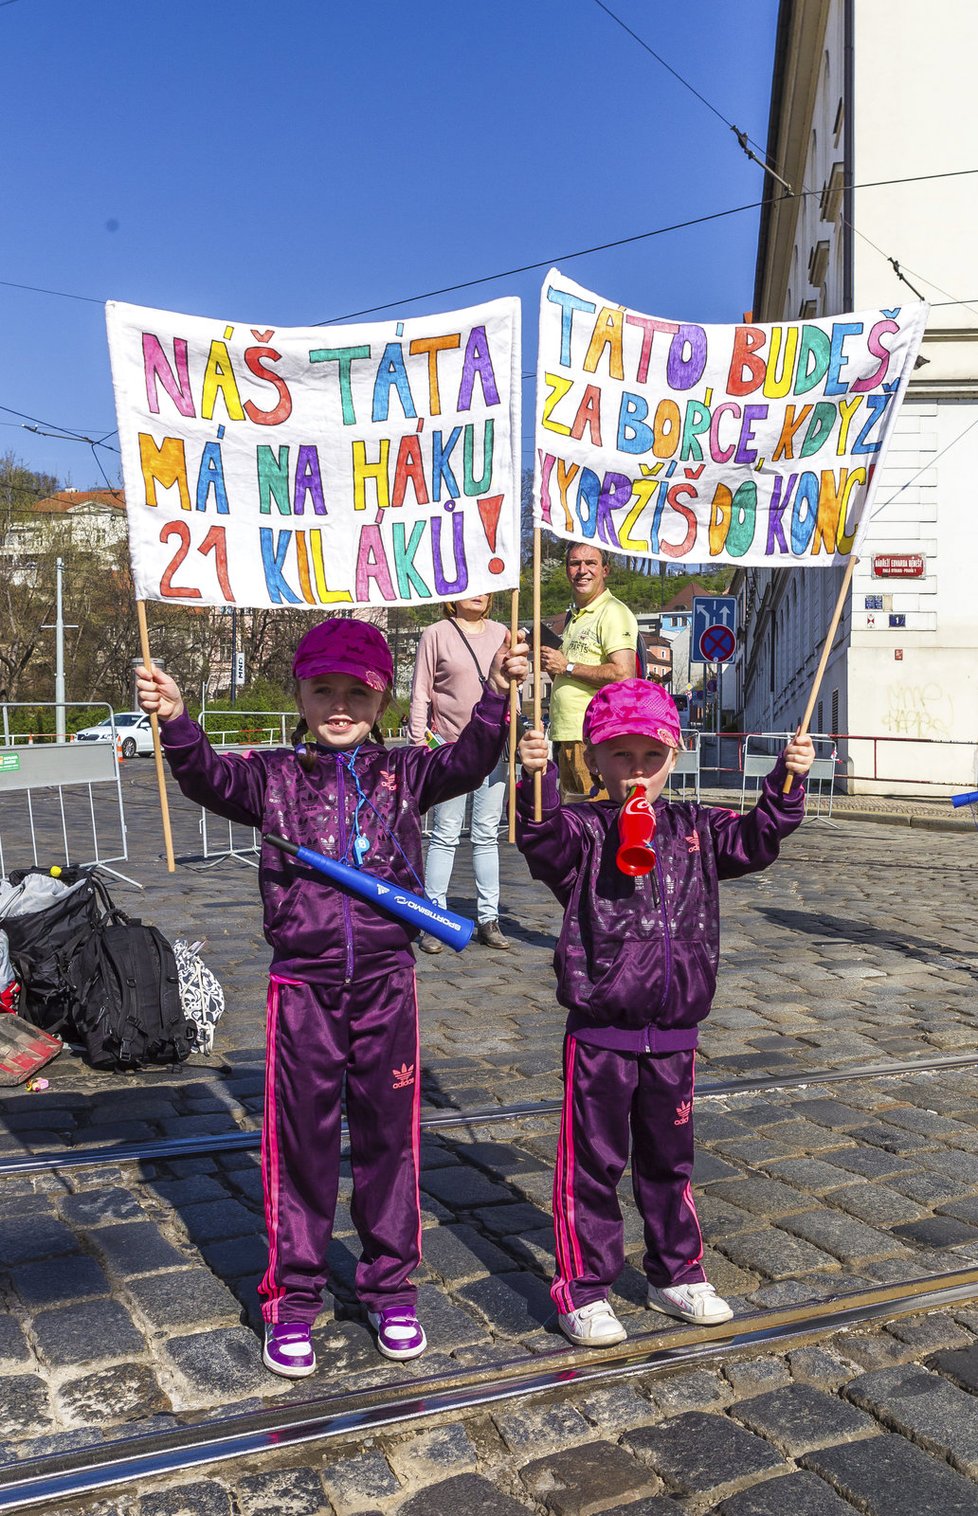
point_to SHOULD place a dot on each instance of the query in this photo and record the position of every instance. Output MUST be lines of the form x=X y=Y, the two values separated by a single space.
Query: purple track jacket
x=636 y=959
x=316 y=932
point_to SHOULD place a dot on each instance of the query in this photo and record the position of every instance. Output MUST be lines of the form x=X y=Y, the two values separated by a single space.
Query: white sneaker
x=592 y=1326
x=698 y=1303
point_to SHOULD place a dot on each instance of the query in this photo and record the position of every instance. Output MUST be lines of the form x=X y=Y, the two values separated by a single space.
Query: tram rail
x=283 y=1426
x=165 y=1149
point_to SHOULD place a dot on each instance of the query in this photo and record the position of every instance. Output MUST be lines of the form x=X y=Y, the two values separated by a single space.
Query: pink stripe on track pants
x=612 y=1101
x=318 y=1035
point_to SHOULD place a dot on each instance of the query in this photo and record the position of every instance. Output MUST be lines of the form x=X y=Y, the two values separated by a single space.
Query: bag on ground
x=126 y=1005
x=201 y=995
x=89 y=973
x=46 y=921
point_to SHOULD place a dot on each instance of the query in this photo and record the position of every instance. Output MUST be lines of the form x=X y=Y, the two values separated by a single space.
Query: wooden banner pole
x=157 y=748
x=514 y=712
x=823 y=661
x=537 y=691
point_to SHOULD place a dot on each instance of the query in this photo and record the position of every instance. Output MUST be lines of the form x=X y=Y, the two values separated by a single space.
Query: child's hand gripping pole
x=454 y=931
x=636 y=829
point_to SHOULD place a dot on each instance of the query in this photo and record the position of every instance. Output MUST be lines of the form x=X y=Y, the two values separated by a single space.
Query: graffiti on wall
x=919 y=710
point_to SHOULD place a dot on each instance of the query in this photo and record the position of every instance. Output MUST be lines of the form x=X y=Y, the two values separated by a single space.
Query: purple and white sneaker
x=399 y=1332
x=288 y=1349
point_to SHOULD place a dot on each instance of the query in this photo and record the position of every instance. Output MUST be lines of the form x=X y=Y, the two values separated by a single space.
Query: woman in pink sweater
x=454 y=656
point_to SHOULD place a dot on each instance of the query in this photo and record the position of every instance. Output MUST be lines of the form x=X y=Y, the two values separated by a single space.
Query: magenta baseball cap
x=341 y=646
x=632 y=708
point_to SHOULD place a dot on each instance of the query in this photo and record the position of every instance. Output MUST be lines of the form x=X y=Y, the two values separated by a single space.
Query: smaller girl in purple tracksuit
x=636 y=965
x=342 y=1006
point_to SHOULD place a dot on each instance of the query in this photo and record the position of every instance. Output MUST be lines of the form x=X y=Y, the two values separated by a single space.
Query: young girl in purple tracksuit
x=341 y=1003
x=636 y=965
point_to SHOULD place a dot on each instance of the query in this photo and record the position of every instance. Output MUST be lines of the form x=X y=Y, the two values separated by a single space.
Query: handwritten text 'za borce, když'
x=437 y=466
x=808 y=510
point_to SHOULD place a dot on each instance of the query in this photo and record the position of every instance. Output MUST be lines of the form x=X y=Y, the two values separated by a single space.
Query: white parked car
x=132 y=726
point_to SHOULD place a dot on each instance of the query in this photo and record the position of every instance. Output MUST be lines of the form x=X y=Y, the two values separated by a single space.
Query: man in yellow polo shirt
x=598 y=648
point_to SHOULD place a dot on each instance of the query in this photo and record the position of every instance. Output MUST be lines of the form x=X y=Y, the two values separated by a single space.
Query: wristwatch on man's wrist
x=569 y=668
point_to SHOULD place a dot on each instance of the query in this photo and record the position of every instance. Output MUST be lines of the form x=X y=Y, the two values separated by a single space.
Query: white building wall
x=914 y=113
x=916 y=687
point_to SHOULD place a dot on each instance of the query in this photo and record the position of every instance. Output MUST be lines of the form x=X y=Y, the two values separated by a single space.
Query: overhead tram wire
x=69 y=432
x=658 y=231
x=742 y=136
x=72 y=436
x=929 y=464
x=528 y=268
x=36 y=289
x=636 y=237
x=65 y=434
x=747 y=143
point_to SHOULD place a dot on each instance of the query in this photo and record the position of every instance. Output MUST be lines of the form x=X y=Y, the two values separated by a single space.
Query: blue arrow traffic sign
x=709 y=612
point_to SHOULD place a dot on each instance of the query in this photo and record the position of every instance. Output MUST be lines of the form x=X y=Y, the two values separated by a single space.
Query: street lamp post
x=234 y=655
x=58 y=626
x=59 y=658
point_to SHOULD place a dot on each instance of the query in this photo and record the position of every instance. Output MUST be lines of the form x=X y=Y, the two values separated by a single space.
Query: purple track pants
x=610 y=1097
x=367 y=1034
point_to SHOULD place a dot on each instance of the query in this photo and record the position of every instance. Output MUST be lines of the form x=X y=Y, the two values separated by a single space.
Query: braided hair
x=305 y=752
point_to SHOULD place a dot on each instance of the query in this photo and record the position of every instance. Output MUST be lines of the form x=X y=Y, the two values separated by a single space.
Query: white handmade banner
x=714 y=444
x=321 y=466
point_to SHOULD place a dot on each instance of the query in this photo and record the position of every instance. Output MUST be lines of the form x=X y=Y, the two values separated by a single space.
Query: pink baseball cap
x=632 y=708
x=342 y=646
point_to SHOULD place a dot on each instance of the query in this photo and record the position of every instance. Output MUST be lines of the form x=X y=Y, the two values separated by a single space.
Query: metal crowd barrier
x=222 y=839
x=687 y=765
x=757 y=764
x=56 y=783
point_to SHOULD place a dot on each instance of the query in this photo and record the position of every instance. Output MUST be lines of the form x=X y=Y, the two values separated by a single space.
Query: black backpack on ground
x=44 y=942
x=92 y=975
x=126 y=996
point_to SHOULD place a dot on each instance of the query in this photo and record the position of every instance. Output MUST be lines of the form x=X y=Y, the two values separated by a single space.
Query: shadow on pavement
x=848 y=930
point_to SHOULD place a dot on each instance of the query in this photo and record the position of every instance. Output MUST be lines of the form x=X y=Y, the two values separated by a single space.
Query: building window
x=831 y=202
x=835 y=712
x=807 y=309
x=819 y=716
x=840 y=118
x=818 y=262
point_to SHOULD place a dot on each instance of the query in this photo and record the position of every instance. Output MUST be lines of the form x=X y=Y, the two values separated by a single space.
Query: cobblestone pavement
x=130 y=1289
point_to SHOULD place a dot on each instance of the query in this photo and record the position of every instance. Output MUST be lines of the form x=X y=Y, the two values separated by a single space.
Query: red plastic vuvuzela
x=636 y=829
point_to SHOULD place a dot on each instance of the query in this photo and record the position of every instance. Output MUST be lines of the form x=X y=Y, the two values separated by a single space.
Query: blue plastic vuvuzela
x=454 y=931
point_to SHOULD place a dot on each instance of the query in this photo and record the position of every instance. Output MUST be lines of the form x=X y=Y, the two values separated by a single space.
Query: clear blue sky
x=289 y=164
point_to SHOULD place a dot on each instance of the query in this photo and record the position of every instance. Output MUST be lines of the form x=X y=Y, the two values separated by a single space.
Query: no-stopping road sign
x=717 y=644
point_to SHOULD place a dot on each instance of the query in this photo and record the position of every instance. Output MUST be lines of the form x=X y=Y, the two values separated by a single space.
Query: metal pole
x=234 y=655
x=59 y=658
